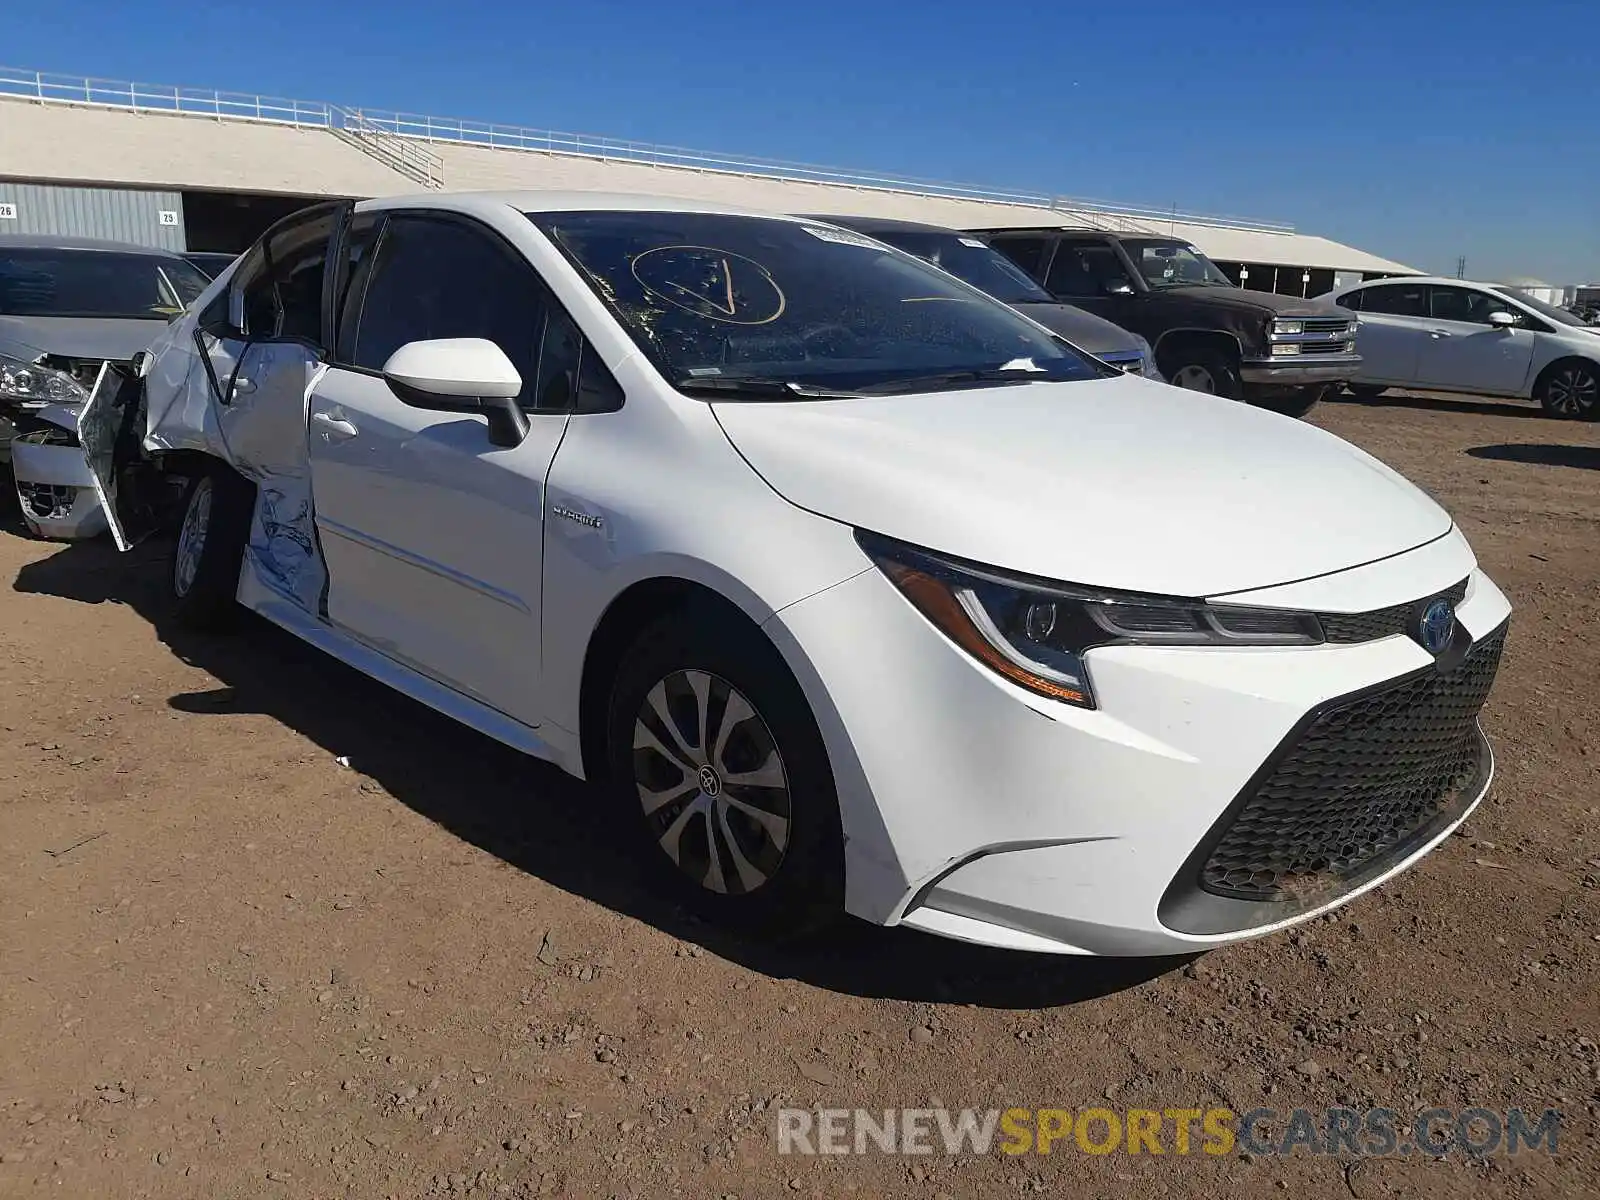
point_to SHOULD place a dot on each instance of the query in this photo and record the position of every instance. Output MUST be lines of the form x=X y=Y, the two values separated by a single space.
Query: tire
x=681 y=673
x=1365 y=391
x=1570 y=390
x=1204 y=371
x=204 y=573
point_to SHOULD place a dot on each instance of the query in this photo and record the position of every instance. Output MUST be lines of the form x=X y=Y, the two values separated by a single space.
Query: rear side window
x=1352 y=301
x=1026 y=252
x=1396 y=299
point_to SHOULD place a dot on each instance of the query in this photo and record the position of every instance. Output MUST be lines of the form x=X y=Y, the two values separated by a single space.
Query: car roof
x=880 y=224
x=55 y=241
x=561 y=201
x=1441 y=280
x=1048 y=229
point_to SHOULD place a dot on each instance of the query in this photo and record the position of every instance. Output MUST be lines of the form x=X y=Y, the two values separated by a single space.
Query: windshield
x=1560 y=315
x=969 y=259
x=41 y=282
x=1172 y=264
x=714 y=299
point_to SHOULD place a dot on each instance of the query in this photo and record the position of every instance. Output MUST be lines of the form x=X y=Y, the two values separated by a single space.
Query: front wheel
x=1205 y=371
x=717 y=767
x=1571 y=390
x=205 y=560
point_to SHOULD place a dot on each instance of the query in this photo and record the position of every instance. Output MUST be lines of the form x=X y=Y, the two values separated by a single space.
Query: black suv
x=1277 y=351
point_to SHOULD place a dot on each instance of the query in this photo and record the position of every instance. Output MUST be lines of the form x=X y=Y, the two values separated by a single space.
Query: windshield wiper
x=929 y=383
x=759 y=386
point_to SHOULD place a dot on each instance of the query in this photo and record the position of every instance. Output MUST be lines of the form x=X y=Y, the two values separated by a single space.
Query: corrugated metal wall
x=147 y=218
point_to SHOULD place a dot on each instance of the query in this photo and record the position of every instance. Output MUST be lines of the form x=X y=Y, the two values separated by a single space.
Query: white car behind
x=849 y=587
x=1449 y=335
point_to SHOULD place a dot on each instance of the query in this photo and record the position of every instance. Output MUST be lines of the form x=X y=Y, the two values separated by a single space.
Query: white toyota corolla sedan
x=851 y=588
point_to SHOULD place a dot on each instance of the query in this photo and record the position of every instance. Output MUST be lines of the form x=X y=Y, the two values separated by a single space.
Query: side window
x=1467 y=304
x=1352 y=300
x=1396 y=300
x=434 y=278
x=1026 y=252
x=282 y=282
x=1084 y=268
x=357 y=270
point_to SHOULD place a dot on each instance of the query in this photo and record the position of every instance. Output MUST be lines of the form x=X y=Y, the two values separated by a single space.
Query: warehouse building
x=206 y=170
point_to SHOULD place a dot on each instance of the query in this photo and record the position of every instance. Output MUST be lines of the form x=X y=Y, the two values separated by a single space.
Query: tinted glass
x=1396 y=299
x=41 y=282
x=357 y=270
x=1559 y=315
x=1352 y=300
x=1173 y=264
x=1026 y=252
x=446 y=279
x=282 y=281
x=971 y=260
x=1465 y=304
x=714 y=297
x=1085 y=268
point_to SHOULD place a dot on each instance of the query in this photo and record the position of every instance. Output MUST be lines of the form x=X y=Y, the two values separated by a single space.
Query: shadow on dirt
x=1480 y=408
x=1584 y=458
x=529 y=814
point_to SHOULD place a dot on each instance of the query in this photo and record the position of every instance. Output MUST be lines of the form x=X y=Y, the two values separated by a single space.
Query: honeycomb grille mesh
x=1358 y=783
x=1347 y=628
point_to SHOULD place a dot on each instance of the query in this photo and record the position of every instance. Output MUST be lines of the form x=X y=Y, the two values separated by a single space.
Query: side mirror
x=463 y=375
x=1119 y=287
x=1502 y=320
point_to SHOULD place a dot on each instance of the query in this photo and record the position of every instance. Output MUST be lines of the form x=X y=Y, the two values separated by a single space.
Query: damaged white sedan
x=68 y=308
x=854 y=588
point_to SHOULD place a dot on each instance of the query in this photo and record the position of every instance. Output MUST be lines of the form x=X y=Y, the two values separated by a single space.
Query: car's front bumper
x=979 y=811
x=1285 y=372
x=54 y=486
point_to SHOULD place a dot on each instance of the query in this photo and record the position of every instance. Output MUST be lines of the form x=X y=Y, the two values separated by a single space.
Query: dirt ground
x=267 y=930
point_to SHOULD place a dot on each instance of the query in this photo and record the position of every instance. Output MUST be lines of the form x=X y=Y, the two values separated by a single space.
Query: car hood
x=1119 y=483
x=1266 y=302
x=116 y=338
x=1083 y=329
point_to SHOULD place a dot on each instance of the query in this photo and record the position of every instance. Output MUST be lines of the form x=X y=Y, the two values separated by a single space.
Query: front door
x=1464 y=353
x=431 y=534
x=1090 y=274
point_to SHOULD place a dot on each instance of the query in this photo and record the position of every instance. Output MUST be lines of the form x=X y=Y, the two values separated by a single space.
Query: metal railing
x=413 y=159
x=394 y=137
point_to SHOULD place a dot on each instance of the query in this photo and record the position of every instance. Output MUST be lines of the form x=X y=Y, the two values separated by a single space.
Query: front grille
x=1325 y=324
x=1361 y=785
x=1309 y=348
x=1349 y=628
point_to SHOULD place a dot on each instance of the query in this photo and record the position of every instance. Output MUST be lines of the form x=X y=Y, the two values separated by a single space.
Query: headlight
x=31 y=383
x=1288 y=327
x=1149 y=353
x=1279 y=349
x=1036 y=633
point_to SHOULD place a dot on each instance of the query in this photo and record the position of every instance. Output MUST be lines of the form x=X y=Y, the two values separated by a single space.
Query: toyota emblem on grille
x=1437 y=625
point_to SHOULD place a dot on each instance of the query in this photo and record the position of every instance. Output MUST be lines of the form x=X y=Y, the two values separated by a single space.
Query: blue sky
x=1418 y=129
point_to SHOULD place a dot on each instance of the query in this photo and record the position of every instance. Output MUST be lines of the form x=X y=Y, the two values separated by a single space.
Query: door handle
x=1439 y=333
x=243 y=387
x=333 y=426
